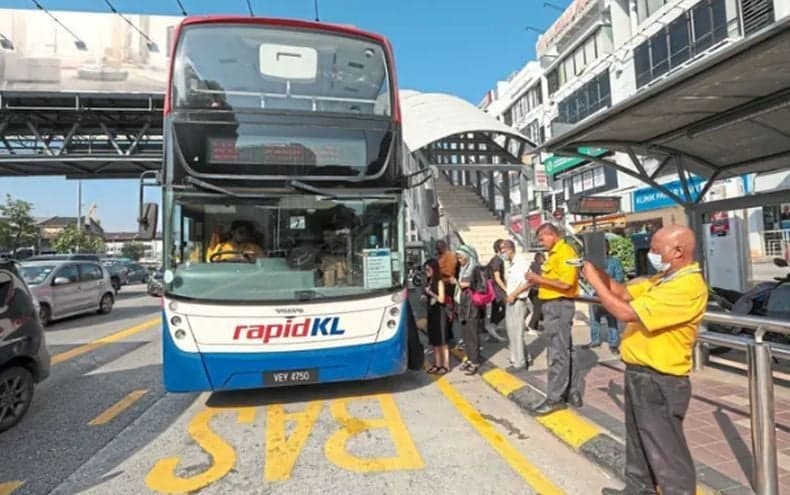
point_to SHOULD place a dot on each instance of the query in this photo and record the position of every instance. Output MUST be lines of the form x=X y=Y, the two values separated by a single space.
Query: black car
x=24 y=359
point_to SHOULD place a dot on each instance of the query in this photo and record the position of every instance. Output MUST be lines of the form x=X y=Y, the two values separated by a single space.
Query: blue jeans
x=595 y=327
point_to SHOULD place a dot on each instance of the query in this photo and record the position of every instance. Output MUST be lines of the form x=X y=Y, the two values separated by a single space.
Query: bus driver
x=238 y=247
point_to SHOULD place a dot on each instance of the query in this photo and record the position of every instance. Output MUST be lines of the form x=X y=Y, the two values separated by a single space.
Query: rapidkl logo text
x=329 y=325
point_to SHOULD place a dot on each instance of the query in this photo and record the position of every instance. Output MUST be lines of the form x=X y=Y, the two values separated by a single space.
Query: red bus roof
x=298 y=24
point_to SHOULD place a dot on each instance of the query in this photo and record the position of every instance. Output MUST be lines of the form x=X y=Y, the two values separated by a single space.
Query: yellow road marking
x=283 y=450
x=539 y=483
x=162 y=476
x=118 y=408
x=8 y=487
x=569 y=427
x=109 y=339
x=502 y=381
x=406 y=455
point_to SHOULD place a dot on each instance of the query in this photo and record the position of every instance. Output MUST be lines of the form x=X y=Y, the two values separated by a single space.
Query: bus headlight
x=399 y=297
x=180 y=334
x=391 y=324
x=175 y=321
x=394 y=311
x=173 y=306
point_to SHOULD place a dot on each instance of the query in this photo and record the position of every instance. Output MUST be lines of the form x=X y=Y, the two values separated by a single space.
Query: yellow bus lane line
x=116 y=409
x=8 y=487
x=109 y=339
x=531 y=474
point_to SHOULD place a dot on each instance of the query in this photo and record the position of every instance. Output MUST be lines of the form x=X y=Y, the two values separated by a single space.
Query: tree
x=133 y=250
x=623 y=249
x=72 y=240
x=18 y=229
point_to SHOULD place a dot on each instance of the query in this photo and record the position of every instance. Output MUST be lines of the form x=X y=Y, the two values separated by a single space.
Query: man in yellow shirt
x=240 y=247
x=662 y=314
x=557 y=286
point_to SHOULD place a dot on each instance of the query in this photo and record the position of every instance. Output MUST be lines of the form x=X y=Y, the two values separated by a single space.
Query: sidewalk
x=717 y=423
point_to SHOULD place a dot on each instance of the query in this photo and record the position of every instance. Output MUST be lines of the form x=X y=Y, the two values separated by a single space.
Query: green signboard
x=557 y=164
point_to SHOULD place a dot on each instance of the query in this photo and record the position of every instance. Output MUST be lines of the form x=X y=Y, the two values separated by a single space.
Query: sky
x=461 y=47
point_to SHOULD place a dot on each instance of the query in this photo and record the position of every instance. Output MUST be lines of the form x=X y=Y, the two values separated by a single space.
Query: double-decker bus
x=283 y=209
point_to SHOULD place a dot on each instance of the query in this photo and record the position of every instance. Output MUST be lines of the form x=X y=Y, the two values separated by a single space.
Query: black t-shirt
x=497 y=265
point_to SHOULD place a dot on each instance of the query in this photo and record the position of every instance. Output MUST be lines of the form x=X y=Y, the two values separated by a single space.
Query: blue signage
x=650 y=198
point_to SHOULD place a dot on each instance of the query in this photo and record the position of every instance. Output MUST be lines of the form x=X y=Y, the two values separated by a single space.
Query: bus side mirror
x=147 y=221
x=430 y=208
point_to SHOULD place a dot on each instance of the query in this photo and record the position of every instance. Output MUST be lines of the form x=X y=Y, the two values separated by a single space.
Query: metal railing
x=760 y=356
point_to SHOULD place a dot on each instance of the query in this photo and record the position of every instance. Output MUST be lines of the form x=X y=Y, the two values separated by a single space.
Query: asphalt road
x=102 y=424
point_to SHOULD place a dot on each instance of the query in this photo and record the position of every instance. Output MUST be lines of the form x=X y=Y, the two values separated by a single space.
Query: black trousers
x=656 y=453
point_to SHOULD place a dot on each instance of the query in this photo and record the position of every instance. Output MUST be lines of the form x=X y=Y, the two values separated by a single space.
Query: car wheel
x=105 y=305
x=44 y=314
x=16 y=394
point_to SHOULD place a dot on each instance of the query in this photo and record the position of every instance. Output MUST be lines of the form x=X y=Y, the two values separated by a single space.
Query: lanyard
x=682 y=272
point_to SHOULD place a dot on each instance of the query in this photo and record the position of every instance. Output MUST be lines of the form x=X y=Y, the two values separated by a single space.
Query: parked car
x=24 y=359
x=136 y=273
x=66 y=288
x=63 y=257
x=156 y=285
x=118 y=272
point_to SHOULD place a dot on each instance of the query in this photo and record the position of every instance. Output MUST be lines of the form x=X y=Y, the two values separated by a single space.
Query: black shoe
x=515 y=369
x=575 y=399
x=614 y=350
x=548 y=407
x=592 y=345
x=612 y=491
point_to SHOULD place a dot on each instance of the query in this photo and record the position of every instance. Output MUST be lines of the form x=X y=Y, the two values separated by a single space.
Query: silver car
x=67 y=288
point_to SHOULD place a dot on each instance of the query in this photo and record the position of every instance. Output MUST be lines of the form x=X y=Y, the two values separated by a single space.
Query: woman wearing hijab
x=469 y=315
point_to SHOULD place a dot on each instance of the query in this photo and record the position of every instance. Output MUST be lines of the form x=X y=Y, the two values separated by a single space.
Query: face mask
x=658 y=264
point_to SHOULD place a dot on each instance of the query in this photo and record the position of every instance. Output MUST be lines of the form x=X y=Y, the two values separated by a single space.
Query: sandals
x=471 y=369
x=437 y=370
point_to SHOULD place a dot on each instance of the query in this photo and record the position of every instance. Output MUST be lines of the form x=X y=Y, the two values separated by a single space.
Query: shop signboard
x=556 y=164
x=650 y=198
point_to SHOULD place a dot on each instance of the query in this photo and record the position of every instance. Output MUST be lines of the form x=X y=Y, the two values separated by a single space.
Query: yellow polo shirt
x=670 y=310
x=557 y=268
x=230 y=247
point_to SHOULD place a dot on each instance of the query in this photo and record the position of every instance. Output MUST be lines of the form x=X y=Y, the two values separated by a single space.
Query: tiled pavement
x=717 y=423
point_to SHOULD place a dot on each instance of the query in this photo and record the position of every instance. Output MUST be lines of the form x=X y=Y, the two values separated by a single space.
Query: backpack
x=482 y=287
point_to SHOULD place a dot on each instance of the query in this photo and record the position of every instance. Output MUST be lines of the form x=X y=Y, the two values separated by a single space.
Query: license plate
x=290 y=377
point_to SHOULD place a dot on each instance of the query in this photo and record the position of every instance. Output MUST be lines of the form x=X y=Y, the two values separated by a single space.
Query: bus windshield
x=286 y=248
x=224 y=66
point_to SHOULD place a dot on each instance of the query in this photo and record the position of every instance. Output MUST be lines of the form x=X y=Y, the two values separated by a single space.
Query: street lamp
x=537 y=30
x=554 y=6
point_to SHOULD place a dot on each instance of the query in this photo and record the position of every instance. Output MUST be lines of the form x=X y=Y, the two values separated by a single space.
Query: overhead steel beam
x=752 y=201
x=483 y=167
x=627 y=171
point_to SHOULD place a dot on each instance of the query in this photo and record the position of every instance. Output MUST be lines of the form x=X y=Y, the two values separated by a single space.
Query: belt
x=558 y=299
x=638 y=368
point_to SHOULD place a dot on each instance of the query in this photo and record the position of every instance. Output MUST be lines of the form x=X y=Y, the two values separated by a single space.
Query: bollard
x=761 y=403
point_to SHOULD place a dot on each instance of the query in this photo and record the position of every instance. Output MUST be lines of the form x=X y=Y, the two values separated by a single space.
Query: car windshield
x=294 y=247
x=36 y=274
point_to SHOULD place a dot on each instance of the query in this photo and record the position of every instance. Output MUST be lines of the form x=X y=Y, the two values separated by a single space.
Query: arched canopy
x=432 y=117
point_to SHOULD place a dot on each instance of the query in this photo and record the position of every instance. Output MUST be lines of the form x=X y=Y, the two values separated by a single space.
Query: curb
x=575 y=431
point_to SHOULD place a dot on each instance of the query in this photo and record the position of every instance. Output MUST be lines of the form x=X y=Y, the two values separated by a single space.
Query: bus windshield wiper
x=306 y=295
